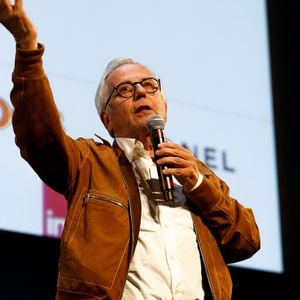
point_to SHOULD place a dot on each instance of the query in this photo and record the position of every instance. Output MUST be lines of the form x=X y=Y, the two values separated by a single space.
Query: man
x=121 y=240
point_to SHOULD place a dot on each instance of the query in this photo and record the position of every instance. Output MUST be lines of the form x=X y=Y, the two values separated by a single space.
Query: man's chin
x=143 y=115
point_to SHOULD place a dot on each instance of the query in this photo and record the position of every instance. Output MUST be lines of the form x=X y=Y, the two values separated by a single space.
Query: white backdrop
x=213 y=59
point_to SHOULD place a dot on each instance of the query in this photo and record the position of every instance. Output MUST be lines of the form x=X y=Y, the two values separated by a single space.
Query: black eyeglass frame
x=133 y=85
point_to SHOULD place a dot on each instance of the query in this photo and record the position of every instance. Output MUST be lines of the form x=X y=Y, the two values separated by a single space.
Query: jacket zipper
x=103 y=198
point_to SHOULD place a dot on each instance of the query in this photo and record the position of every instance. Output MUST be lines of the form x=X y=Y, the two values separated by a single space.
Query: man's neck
x=147 y=145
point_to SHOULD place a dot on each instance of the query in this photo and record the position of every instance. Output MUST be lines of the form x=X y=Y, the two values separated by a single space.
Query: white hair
x=102 y=90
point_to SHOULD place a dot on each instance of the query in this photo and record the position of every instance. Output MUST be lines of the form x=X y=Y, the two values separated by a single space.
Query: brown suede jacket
x=104 y=211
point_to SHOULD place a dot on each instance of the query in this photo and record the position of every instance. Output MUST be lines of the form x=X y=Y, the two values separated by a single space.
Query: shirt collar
x=131 y=147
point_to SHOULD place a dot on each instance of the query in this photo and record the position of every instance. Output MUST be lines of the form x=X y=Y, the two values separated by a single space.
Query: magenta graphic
x=54 y=212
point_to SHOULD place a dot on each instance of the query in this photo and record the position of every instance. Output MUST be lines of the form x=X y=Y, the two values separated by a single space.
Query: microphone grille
x=155 y=122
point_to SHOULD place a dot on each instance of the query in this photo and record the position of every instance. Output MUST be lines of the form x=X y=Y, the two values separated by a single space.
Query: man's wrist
x=30 y=44
x=197 y=184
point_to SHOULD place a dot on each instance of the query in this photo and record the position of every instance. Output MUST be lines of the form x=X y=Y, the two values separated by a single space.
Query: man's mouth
x=142 y=108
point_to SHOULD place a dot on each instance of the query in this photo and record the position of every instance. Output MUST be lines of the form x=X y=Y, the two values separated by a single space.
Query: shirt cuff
x=200 y=178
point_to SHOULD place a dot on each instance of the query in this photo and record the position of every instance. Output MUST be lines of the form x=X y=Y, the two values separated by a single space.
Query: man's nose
x=139 y=91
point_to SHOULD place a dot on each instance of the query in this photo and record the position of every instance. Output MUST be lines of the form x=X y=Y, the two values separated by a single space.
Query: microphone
x=156 y=125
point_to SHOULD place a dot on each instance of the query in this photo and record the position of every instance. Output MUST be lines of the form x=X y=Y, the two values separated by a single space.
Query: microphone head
x=155 y=122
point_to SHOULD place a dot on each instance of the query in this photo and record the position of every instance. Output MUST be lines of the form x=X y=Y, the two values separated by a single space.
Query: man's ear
x=107 y=124
x=166 y=110
x=105 y=120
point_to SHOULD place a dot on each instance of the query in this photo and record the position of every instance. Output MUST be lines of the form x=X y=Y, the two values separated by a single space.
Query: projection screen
x=214 y=64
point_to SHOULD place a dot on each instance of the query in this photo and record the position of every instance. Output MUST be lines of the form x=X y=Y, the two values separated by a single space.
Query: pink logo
x=54 y=212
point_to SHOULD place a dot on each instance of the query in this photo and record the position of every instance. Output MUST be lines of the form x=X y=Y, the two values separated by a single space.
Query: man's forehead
x=128 y=72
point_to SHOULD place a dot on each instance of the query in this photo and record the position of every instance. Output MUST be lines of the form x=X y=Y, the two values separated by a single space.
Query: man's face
x=127 y=117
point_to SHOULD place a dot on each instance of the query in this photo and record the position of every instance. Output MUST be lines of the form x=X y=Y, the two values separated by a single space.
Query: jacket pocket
x=97 y=243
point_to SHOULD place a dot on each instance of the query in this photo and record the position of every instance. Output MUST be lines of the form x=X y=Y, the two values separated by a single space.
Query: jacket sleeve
x=37 y=124
x=232 y=224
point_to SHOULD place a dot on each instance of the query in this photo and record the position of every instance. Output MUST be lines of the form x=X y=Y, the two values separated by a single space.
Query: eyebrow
x=127 y=81
x=130 y=81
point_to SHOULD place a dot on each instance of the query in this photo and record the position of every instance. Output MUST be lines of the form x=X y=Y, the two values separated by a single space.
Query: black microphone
x=156 y=125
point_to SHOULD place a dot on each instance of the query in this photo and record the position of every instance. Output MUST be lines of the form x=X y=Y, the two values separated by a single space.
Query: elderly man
x=122 y=239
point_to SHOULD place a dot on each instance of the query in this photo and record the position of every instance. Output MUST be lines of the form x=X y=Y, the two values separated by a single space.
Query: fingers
x=15 y=20
x=181 y=163
x=8 y=10
x=18 y=4
x=5 y=3
x=11 y=9
x=167 y=150
x=5 y=8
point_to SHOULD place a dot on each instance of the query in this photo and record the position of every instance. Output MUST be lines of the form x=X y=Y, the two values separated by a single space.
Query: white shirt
x=166 y=263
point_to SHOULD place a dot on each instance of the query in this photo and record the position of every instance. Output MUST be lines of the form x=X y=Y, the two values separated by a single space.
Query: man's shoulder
x=93 y=143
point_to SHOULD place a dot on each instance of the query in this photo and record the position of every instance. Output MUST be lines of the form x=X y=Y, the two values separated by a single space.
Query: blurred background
x=29 y=257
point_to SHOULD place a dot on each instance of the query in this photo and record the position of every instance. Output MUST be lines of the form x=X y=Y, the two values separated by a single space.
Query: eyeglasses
x=127 y=89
